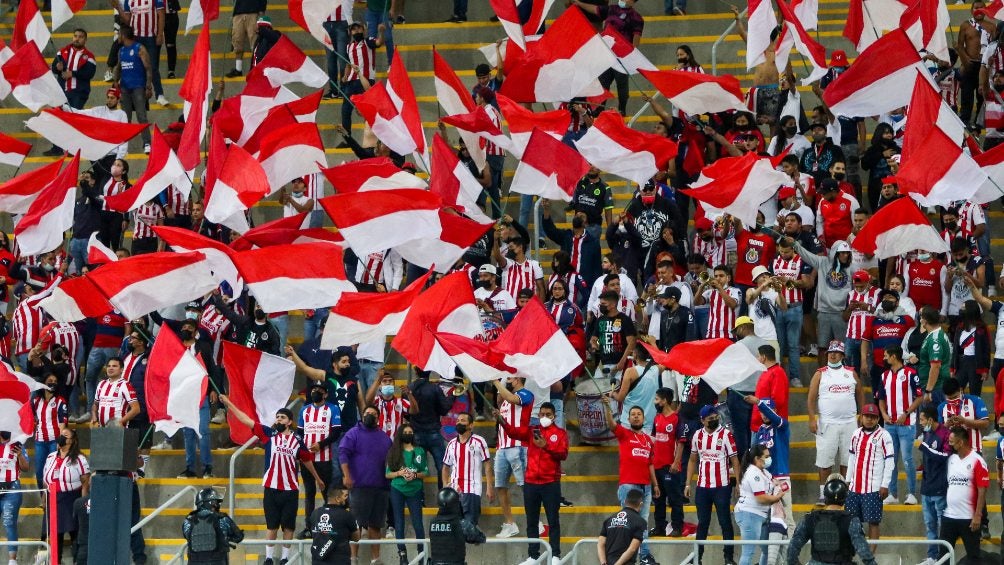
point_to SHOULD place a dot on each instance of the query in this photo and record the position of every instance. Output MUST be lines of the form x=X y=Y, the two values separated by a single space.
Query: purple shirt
x=365 y=452
x=625 y=21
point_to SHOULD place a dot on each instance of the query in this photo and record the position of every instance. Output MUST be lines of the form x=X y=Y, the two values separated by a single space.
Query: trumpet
x=460 y=389
x=704 y=277
x=789 y=283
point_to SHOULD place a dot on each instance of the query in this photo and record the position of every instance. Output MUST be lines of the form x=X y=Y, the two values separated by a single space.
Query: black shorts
x=369 y=506
x=280 y=508
x=142 y=424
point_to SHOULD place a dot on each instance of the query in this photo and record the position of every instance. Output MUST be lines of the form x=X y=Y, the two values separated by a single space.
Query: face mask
x=52 y=387
x=818 y=137
x=927 y=428
x=925 y=257
x=743 y=127
x=658 y=407
x=187 y=335
x=279 y=428
x=682 y=60
x=767 y=462
x=546 y=422
x=370 y=421
x=712 y=424
x=461 y=429
x=836 y=365
x=999 y=88
x=622 y=4
x=648 y=199
x=48 y=268
x=604 y=310
x=484 y=284
x=577 y=223
x=407 y=438
x=896 y=117
x=888 y=306
x=951 y=226
x=790 y=132
x=191 y=315
x=839 y=176
x=357 y=37
x=317 y=397
x=298 y=194
x=387 y=390
x=259 y=315
x=61 y=441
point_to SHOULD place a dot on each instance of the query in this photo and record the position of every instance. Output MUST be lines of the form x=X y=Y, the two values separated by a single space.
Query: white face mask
x=546 y=422
x=767 y=462
x=622 y=4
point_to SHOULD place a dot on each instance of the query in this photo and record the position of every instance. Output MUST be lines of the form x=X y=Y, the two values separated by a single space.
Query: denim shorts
x=508 y=462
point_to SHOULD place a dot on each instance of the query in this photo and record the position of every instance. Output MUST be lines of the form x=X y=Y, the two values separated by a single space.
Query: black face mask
x=744 y=127
x=510 y=254
x=951 y=225
x=682 y=61
x=357 y=37
x=370 y=421
x=407 y=438
x=707 y=236
x=317 y=397
x=604 y=310
x=485 y=284
x=279 y=428
x=839 y=176
x=461 y=429
x=999 y=88
x=712 y=424
x=260 y=315
x=790 y=132
x=187 y=335
x=888 y=306
x=61 y=441
x=577 y=223
x=659 y=407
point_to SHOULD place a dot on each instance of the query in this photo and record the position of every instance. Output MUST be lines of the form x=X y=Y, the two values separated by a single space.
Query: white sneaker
x=796 y=382
x=991 y=290
x=910 y=499
x=813 y=350
x=220 y=417
x=166 y=444
x=389 y=534
x=891 y=500
x=927 y=561
x=555 y=561
x=528 y=561
x=163 y=101
x=109 y=75
x=146 y=148
x=994 y=435
x=508 y=530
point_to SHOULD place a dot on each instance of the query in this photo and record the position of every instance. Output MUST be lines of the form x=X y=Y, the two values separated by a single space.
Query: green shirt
x=417 y=461
x=936 y=347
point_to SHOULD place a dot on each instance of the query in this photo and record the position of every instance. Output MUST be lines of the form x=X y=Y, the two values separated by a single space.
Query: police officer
x=836 y=535
x=449 y=533
x=333 y=529
x=208 y=531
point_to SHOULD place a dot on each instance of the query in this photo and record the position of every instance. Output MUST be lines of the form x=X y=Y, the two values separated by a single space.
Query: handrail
x=231 y=480
x=644 y=108
x=536 y=228
x=160 y=509
x=721 y=38
x=34 y=543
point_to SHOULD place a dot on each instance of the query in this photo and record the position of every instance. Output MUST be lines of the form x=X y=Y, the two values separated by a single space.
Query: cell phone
x=536 y=434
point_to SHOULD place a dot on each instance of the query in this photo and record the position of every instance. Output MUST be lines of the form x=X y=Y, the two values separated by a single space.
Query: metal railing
x=164 y=506
x=719 y=41
x=231 y=480
x=47 y=560
x=573 y=556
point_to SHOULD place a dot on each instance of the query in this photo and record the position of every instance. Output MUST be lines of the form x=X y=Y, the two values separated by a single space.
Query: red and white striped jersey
x=492 y=149
x=994 y=116
x=63 y=474
x=177 y=202
x=713 y=251
x=65 y=334
x=111 y=188
x=899 y=390
x=143 y=16
x=950 y=88
x=314 y=187
x=216 y=325
x=576 y=251
x=971 y=215
x=791 y=269
x=73 y=60
x=27 y=326
x=517 y=276
x=144 y=218
x=965 y=476
x=516 y=415
x=316 y=423
x=871 y=462
x=113 y=398
x=721 y=318
x=575 y=283
x=370 y=269
x=466 y=460
x=391 y=413
x=9 y=470
x=970 y=407
x=714 y=449
x=49 y=414
x=361 y=55
x=282 y=452
x=858 y=321
x=342 y=12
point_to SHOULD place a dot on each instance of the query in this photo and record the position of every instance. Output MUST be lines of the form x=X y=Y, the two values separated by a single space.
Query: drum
x=592 y=422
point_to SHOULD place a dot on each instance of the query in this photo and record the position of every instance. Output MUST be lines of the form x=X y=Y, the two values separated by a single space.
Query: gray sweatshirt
x=832 y=285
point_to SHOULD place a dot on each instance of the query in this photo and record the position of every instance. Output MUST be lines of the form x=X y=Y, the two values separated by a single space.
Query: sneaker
x=821 y=501
x=479 y=418
x=455 y=19
x=657 y=532
x=400 y=20
x=508 y=530
x=305 y=533
x=648 y=560
x=170 y=74
x=187 y=474
x=678 y=11
x=332 y=95
x=268 y=561
x=163 y=101
x=389 y=534
x=565 y=503
x=528 y=561
x=220 y=417
x=910 y=499
x=994 y=435
x=813 y=350
x=207 y=473
x=54 y=152
x=985 y=531
x=890 y=500
x=146 y=148
x=233 y=73
x=795 y=382
x=927 y=561
x=166 y=444
x=557 y=561
x=283 y=561
x=109 y=75
x=674 y=533
x=402 y=558
x=730 y=561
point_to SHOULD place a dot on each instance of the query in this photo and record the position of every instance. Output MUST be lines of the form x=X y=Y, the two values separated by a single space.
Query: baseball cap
x=838 y=58
x=861 y=276
x=672 y=292
x=708 y=410
x=869 y=410
x=264 y=21
x=785 y=192
x=889 y=180
x=488 y=268
x=193 y=305
x=836 y=346
x=114 y=92
x=828 y=185
x=815 y=125
x=888 y=292
x=742 y=321
x=757 y=271
x=841 y=247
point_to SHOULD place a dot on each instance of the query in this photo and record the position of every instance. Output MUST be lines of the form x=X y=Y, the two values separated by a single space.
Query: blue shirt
x=133 y=73
x=934 y=452
x=775 y=434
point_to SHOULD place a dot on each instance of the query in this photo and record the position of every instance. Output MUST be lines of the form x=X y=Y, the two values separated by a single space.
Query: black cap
x=828 y=185
x=671 y=292
x=482 y=70
x=888 y=292
x=815 y=125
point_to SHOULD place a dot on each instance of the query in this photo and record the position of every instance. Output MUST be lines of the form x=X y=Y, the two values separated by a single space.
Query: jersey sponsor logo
x=639 y=452
x=839 y=389
x=554 y=437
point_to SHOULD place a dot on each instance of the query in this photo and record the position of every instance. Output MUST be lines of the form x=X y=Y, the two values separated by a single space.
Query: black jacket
x=432 y=404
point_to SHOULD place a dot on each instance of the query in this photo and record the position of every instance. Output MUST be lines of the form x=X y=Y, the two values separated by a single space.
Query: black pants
x=171 y=39
x=671 y=495
x=965 y=373
x=549 y=495
x=968 y=85
x=954 y=528
x=310 y=487
x=611 y=76
x=349 y=88
x=719 y=497
x=144 y=245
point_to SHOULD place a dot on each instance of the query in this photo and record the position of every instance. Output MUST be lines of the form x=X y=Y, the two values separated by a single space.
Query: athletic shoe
x=813 y=350
x=565 y=503
x=985 y=532
x=795 y=382
x=220 y=417
x=305 y=533
x=648 y=560
x=994 y=435
x=207 y=473
x=890 y=500
x=187 y=474
x=166 y=444
x=170 y=74
x=678 y=11
x=821 y=501
x=233 y=73
x=389 y=534
x=400 y=20
x=508 y=530
x=146 y=148
x=910 y=499
x=674 y=533
x=109 y=75
x=283 y=561
x=54 y=152
x=455 y=19
x=163 y=101
x=268 y=561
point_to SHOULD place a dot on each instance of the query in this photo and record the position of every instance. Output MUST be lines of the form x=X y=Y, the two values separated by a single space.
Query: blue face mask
x=835 y=365
x=387 y=390
x=622 y=4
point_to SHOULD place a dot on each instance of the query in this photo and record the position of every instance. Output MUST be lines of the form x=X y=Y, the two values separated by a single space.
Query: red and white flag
x=31 y=81
x=458 y=235
x=719 y=362
x=75 y=299
x=302 y=110
x=508 y=15
x=291 y=152
x=310 y=15
x=994 y=9
x=480 y=361
x=98 y=253
x=630 y=58
x=453 y=181
x=375 y=173
x=611 y=146
x=696 y=93
x=549 y=169
x=479 y=124
x=898 y=228
x=945 y=173
x=536 y=347
x=456 y=99
x=63 y=11
x=402 y=93
x=201 y=12
x=29 y=26
x=807 y=12
x=446 y=307
x=195 y=91
x=874 y=83
x=285 y=63
x=869 y=20
x=219 y=256
x=522 y=122
x=48 y=217
x=992 y=163
x=163 y=169
x=9 y=374
x=259 y=385
x=6 y=53
x=925 y=22
x=93 y=137
x=239 y=116
x=762 y=23
x=564 y=64
x=288 y=223
x=13 y=151
x=285 y=236
x=737 y=186
x=378 y=110
x=17 y=194
x=16 y=415
x=361 y=317
x=928 y=111
x=176 y=384
x=372 y=221
x=242 y=183
x=291 y=277
x=795 y=35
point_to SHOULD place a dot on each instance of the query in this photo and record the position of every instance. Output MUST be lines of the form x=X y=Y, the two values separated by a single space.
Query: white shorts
x=833 y=442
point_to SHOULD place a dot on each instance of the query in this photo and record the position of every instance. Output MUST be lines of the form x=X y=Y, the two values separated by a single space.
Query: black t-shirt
x=592 y=198
x=613 y=333
x=674 y=327
x=337 y=524
x=650 y=219
x=620 y=530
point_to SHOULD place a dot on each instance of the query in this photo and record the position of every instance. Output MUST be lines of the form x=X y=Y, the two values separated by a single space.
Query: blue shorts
x=510 y=461
x=867 y=507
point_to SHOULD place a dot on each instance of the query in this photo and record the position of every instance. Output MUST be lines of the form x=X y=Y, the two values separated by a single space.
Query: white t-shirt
x=756 y=481
x=764 y=311
x=837 y=395
x=964 y=477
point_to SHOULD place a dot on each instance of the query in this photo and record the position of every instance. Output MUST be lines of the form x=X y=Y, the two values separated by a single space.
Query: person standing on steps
x=146 y=18
x=968 y=480
x=133 y=78
x=515 y=407
x=466 y=456
x=898 y=400
x=713 y=452
x=935 y=449
x=243 y=30
x=871 y=465
x=334 y=528
x=362 y=453
x=321 y=422
x=667 y=459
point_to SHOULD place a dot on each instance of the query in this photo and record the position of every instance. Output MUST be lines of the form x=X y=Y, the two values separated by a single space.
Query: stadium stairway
x=591 y=471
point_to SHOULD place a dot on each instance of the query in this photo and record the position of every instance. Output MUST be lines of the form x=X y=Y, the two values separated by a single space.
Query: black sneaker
x=187 y=474
x=648 y=560
x=493 y=19
x=565 y=503
x=54 y=152
x=305 y=534
x=170 y=74
x=985 y=531
x=400 y=20
x=342 y=145
x=657 y=532
x=402 y=557
x=207 y=473
x=331 y=95
x=456 y=19
x=283 y=561
x=268 y=561
x=233 y=73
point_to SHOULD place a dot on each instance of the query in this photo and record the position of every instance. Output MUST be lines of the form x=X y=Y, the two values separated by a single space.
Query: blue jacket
x=589 y=263
x=934 y=451
x=776 y=435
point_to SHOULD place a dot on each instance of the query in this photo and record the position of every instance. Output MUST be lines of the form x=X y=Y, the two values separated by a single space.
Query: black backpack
x=206 y=535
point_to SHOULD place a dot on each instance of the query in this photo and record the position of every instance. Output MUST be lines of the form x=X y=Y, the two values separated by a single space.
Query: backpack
x=830 y=541
x=205 y=535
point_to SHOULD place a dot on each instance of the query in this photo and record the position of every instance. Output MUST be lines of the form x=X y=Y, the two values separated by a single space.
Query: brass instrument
x=790 y=284
x=460 y=389
x=704 y=277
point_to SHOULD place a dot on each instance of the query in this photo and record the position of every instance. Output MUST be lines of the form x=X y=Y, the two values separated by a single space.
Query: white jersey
x=965 y=476
x=837 y=395
x=871 y=462
x=756 y=481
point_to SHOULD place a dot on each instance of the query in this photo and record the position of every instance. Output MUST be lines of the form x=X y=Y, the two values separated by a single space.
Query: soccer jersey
x=391 y=413
x=282 y=452
x=465 y=460
x=318 y=423
x=49 y=414
x=871 y=462
x=9 y=470
x=113 y=398
x=665 y=438
x=857 y=324
x=967 y=406
x=517 y=415
x=899 y=390
x=965 y=476
x=635 y=456
x=517 y=276
x=713 y=452
x=63 y=474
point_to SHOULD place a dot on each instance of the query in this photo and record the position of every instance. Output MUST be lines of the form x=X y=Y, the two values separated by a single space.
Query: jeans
x=671 y=487
x=789 y=329
x=934 y=508
x=646 y=503
x=460 y=8
x=312 y=325
x=10 y=507
x=349 y=89
x=398 y=501
x=433 y=444
x=750 y=527
x=741 y=413
x=367 y=372
x=374 y=19
x=96 y=360
x=525 y=208
x=549 y=495
x=153 y=51
x=496 y=163
x=902 y=442
x=78 y=254
x=720 y=497
x=701 y=315
x=471 y=504
x=852 y=353
x=339 y=34
x=203 y=438
x=42 y=451
x=134 y=100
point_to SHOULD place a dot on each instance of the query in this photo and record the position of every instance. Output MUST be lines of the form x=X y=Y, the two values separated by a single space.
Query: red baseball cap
x=870 y=410
x=838 y=58
x=861 y=276
x=786 y=192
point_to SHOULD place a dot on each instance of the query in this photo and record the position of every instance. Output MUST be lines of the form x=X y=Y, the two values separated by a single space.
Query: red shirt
x=666 y=431
x=543 y=463
x=754 y=249
x=773 y=384
x=635 y=456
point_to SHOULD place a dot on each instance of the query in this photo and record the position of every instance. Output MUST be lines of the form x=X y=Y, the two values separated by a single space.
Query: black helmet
x=835 y=492
x=449 y=503
x=208 y=499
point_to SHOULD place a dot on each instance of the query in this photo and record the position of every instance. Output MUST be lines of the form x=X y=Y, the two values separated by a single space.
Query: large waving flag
x=17 y=194
x=629 y=57
x=480 y=125
x=240 y=116
x=285 y=63
x=458 y=235
x=13 y=151
x=311 y=15
x=202 y=12
x=291 y=152
x=536 y=347
x=372 y=221
x=375 y=173
x=29 y=26
x=302 y=110
x=696 y=93
x=16 y=415
x=738 y=185
x=761 y=24
x=795 y=34
x=63 y=11
x=456 y=99
x=928 y=111
x=48 y=217
x=98 y=253
x=176 y=384
x=195 y=92
x=992 y=163
x=241 y=184
x=613 y=147
x=377 y=107
x=291 y=277
x=402 y=93
x=944 y=175
x=163 y=169
x=219 y=256
x=925 y=22
x=508 y=15
x=453 y=181
x=260 y=384
x=93 y=137
x=719 y=362
x=31 y=81
x=869 y=20
x=522 y=122
x=6 y=53
x=898 y=228
x=360 y=317
x=549 y=169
